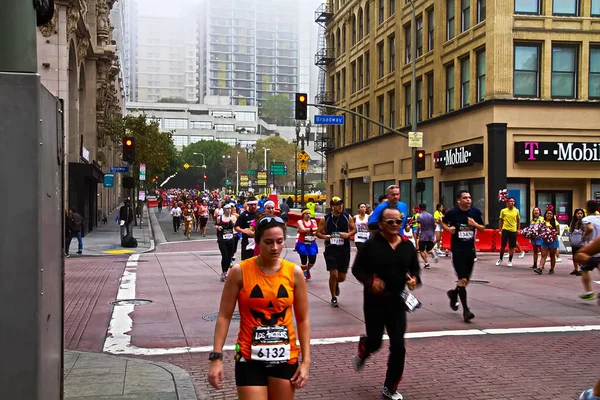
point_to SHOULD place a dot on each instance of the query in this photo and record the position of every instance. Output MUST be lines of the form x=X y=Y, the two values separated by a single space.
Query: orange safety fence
x=489 y=240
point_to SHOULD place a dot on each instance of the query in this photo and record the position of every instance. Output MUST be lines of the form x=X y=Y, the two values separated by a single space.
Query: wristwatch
x=215 y=356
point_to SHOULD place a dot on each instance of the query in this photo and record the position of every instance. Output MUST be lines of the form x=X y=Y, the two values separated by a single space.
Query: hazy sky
x=175 y=8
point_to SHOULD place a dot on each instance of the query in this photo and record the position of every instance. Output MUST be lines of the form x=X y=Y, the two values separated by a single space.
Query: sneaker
x=79 y=252
x=358 y=363
x=499 y=262
x=223 y=277
x=574 y=272
x=307 y=274
x=453 y=296
x=233 y=258
x=588 y=296
x=468 y=315
x=389 y=395
x=436 y=259
x=506 y=255
x=427 y=266
x=509 y=264
x=588 y=395
x=337 y=290
x=334 y=302
x=475 y=259
x=558 y=259
x=522 y=254
x=538 y=271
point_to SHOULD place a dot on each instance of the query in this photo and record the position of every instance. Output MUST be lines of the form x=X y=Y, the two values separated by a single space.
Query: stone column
x=499 y=48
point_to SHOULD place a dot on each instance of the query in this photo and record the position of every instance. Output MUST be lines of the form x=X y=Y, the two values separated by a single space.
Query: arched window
x=367 y=18
x=353 y=29
x=344 y=29
x=339 y=43
x=361 y=24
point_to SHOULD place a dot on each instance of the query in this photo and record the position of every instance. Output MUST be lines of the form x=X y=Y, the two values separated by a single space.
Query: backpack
x=129 y=241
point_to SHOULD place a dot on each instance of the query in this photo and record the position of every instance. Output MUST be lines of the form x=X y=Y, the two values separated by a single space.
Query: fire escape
x=324 y=57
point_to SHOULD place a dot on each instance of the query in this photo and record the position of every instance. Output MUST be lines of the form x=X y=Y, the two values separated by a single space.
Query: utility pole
x=301 y=139
x=32 y=332
x=237 y=174
x=413 y=103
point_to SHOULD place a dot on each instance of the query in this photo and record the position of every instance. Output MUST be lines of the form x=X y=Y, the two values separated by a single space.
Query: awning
x=85 y=171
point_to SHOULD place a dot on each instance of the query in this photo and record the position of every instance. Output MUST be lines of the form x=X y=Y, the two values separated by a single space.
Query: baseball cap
x=336 y=201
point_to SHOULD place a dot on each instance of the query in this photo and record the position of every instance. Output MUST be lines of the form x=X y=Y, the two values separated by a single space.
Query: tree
x=278 y=109
x=213 y=151
x=280 y=150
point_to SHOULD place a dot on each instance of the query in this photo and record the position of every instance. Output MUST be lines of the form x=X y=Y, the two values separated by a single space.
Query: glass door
x=561 y=200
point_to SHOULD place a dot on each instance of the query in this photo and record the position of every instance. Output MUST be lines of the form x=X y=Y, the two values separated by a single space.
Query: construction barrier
x=293 y=219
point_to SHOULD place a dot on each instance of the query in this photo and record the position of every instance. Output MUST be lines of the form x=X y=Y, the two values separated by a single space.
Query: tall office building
x=167 y=67
x=124 y=19
x=248 y=50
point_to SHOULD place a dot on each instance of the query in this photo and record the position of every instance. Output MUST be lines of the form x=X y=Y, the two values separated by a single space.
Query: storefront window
x=561 y=200
x=596 y=190
x=519 y=191
x=405 y=192
x=476 y=187
x=379 y=189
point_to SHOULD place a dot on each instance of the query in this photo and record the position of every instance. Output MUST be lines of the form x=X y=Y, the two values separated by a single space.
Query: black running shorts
x=252 y=373
x=338 y=260
x=463 y=261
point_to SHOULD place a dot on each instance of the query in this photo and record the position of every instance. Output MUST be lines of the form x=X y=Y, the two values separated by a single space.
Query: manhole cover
x=212 y=317
x=131 y=302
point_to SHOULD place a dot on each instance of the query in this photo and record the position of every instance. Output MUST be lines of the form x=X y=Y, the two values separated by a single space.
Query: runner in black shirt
x=461 y=221
x=242 y=225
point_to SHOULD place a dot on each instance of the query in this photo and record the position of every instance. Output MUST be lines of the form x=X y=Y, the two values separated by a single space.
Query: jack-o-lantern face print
x=275 y=315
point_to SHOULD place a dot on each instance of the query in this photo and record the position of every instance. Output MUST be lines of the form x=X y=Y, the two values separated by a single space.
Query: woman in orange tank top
x=269 y=292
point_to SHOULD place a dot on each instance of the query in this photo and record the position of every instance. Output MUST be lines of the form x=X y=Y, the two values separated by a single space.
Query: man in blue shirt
x=393 y=201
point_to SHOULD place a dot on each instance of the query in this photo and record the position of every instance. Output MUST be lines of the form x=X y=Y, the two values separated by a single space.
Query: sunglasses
x=393 y=221
x=267 y=220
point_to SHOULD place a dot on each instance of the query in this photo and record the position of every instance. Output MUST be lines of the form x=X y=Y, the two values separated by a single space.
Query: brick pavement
x=91 y=283
x=515 y=367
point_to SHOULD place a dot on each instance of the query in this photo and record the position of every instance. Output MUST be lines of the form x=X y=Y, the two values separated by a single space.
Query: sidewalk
x=106 y=239
x=90 y=376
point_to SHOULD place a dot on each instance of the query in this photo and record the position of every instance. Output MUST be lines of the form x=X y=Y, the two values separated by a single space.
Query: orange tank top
x=265 y=303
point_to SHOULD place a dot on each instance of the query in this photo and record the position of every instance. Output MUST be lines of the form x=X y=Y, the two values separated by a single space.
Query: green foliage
x=213 y=151
x=172 y=100
x=278 y=109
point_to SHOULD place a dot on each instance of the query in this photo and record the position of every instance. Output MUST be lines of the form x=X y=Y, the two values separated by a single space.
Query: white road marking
x=118 y=340
x=598 y=282
x=119 y=337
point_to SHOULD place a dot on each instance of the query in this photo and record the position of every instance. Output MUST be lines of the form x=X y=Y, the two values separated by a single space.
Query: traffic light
x=301 y=106
x=129 y=149
x=420 y=160
x=205 y=176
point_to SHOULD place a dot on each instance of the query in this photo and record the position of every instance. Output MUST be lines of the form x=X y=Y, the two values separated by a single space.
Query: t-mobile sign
x=557 y=151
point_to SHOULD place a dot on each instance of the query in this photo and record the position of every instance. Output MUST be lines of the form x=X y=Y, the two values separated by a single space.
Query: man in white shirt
x=176 y=213
x=591 y=226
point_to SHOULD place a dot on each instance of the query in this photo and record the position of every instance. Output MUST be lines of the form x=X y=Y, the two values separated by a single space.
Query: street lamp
x=265 y=149
x=225 y=157
x=203 y=159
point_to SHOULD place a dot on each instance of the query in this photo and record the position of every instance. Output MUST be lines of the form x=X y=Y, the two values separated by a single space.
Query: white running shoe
x=506 y=255
x=499 y=262
x=522 y=254
x=558 y=260
x=436 y=259
x=509 y=264
x=388 y=395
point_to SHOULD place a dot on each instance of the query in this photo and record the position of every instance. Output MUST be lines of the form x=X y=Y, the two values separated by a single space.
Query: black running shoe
x=334 y=302
x=468 y=315
x=453 y=296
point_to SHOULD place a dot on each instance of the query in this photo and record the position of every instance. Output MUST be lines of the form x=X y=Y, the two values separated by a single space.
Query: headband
x=269 y=203
x=252 y=202
x=306 y=210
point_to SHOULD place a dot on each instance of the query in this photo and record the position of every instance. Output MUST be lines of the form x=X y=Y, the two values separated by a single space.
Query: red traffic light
x=128 y=142
x=204 y=176
x=420 y=154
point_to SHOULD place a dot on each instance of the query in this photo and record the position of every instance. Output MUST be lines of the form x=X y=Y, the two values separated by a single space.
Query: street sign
x=415 y=139
x=142 y=172
x=302 y=166
x=109 y=180
x=261 y=178
x=119 y=168
x=278 y=169
x=186 y=165
x=251 y=172
x=227 y=183
x=329 y=120
x=303 y=156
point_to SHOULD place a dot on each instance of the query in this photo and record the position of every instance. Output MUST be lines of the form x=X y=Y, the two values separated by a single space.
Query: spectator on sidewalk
x=126 y=218
x=77 y=220
x=69 y=228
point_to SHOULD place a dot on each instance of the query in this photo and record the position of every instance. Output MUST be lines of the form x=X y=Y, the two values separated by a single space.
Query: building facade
x=124 y=21
x=78 y=64
x=248 y=50
x=166 y=59
x=507 y=97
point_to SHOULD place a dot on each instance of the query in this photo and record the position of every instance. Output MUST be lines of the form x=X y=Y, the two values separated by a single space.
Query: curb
x=184 y=387
x=159 y=236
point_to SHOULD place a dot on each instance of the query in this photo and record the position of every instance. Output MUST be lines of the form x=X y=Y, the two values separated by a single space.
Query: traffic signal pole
x=413 y=102
x=18 y=32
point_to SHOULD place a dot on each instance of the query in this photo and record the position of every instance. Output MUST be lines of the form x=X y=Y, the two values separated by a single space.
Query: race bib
x=465 y=232
x=308 y=239
x=189 y=218
x=361 y=236
x=227 y=236
x=270 y=344
x=336 y=240
x=411 y=302
x=251 y=244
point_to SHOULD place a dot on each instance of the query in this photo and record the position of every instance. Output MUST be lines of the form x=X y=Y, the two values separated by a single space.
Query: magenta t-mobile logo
x=531 y=147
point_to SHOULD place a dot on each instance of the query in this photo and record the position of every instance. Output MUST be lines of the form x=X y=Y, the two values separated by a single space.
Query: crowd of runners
x=389 y=242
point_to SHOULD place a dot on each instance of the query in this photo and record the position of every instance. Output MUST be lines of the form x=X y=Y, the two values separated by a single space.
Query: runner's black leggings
x=176 y=223
x=308 y=260
x=388 y=312
x=227 y=251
